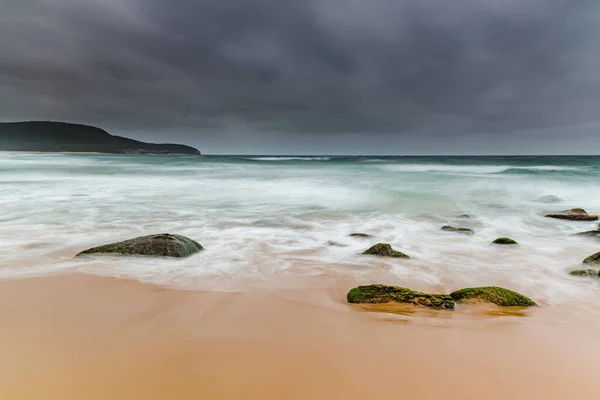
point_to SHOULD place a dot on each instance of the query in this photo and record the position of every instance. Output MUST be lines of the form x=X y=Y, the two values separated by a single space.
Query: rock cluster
x=379 y=294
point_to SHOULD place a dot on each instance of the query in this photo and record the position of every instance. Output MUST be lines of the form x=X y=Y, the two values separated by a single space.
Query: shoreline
x=83 y=336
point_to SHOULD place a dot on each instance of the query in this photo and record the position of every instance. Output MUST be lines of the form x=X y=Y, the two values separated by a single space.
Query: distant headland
x=45 y=136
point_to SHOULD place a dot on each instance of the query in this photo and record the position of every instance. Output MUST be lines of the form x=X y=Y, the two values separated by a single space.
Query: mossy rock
x=574 y=214
x=584 y=272
x=379 y=294
x=504 y=240
x=384 y=250
x=593 y=259
x=449 y=228
x=360 y=235
x=162 y=245
x=576 y=211
x=492 y=294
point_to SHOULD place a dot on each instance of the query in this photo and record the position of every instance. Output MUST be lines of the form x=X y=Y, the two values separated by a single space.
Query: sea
x=283 y=222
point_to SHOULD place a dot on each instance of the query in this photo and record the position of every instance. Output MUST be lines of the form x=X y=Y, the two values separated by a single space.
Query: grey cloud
x=217 y=69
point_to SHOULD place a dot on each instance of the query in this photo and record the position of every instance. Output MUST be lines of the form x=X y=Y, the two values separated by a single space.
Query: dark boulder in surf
x=384 y=250
x=449 y=228
x=550 y=199
x=492 y=294
x=162 y=245
x=592 y=234
x=360 y=235
x=504 y=241
x=593 y=259
x=585 y=272
x=574 y=214
x=380 y=294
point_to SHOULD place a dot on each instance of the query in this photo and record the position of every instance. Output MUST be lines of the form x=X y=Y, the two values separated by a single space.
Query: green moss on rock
x=593 y=259
x=584 y=272
x=449 y=228
x=384 y=250
x=161 y=245
x=492 y=294
x=504 y=240
x=379 y=294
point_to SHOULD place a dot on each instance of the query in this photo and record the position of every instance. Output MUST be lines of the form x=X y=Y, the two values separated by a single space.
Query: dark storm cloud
x=228 y=69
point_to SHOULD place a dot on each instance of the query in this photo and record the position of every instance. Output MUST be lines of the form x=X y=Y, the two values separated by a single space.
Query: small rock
x=549 y=199
x=162 y=245
x=334 y=243
x=466 y=216
x=576 y=211
x=360 y=235
x=504 y=240
x=593 y=259
x=574 y=214
x=378 y=294
x=384 y=250
x=585 y=272
x=492 y=294
x=595 y=233
x=449 y=228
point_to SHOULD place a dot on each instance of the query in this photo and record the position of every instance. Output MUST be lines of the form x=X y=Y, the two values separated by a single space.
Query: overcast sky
x=311 y=76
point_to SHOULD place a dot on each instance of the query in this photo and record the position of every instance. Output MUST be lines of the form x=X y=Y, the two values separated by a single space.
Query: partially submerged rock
x=593 y=259
x=360 y=235
x=504 y=240
x=492 y=294
x=585 y=272
x=449 y=228
x=464 y=216
x=378 y=294
x=162 y=245
x=334 y=243
x=549 y=199
x=592 y=234
x=574 y=214
x=384 y=250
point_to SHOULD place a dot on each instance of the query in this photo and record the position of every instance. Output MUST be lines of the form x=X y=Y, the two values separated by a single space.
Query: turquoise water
x=265 y=221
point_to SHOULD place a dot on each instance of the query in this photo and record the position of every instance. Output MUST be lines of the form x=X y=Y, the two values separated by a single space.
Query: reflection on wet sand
x=85 y=337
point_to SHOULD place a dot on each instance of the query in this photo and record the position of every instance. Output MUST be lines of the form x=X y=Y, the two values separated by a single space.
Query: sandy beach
x=86 y=337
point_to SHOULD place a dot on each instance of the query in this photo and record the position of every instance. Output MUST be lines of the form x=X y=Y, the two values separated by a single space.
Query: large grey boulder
x=161 y=245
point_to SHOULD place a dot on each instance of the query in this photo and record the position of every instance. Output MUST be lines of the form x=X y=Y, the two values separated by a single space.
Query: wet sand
x=86 y=337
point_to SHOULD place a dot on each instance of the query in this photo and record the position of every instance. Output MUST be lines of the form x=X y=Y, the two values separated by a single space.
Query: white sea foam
x=470 y=169
x=289 y=158
x=266 y=225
